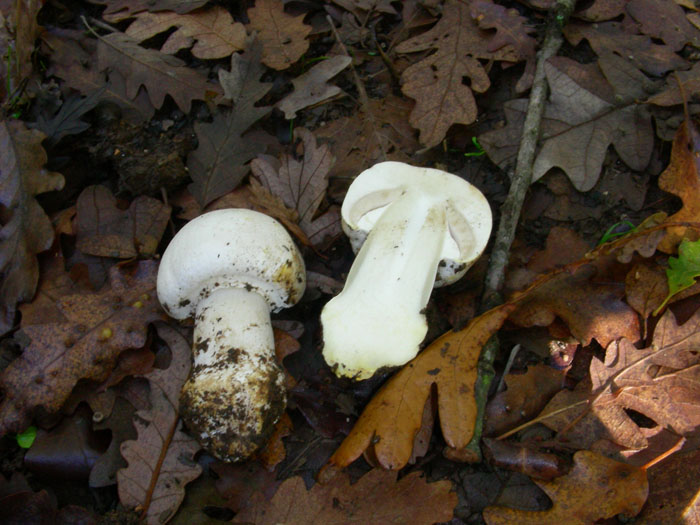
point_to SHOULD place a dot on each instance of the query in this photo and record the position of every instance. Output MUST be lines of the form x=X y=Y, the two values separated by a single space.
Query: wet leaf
x=596 y=488
x=312 y=87
x=26 y=230
x=283 y=36
x=213 y=32
x=104 y=230
x=161 y=459
x=376 y=497
x=392 y=418
x=95 y=329
x=301 y=182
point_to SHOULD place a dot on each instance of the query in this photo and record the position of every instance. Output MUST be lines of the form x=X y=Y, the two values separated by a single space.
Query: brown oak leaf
x=682 y=178
x=436 y=82
x=95 y=329
x=161 y=459
x=376 y=498
x=312 y=87
x=393 y=417
x=596 y=488
x=219 y=163
x=301 y=180
x=660 y=381
x=120 y=9
x=213 y=32
x=283 y=36
x=161 y=74
x=104 y=230
x=589 y=105
x=73 y=60
x=26 y=230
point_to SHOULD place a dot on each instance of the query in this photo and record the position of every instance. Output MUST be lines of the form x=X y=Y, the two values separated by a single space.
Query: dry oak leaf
x=283 y=36
x=590 y=310
x=672 y=95
x=511 y=28
x=301 y=182
x=375 y=133
x=664 y=20
x=596 y=488
x=161 y=459
x=661 y=381
x=312 y=87
x=622 y=39
x=377 y=497
x=161 y=74
x=219 y=163
x=682 y=178
x=26 y=230
x=213 y=32
x=392 y=418
x=85 y=345
x=104 y=230
x=589 y=109
x=121 y=9
x=73 y=60
x=436 y=82
x=526 y=396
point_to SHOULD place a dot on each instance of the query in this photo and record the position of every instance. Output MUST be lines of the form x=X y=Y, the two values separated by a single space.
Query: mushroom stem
x=380 y=310
x=234 y=369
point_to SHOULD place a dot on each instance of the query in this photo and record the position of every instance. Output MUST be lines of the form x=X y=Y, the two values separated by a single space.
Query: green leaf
x=682 y=271
x=26 y=439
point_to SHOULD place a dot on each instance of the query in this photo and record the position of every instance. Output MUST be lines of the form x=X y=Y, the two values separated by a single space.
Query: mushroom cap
x=230 y=248
x=467 y=210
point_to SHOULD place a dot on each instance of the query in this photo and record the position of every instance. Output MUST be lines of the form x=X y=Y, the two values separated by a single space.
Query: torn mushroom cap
x=413 y=228
x=230 y=248
x=228 y=268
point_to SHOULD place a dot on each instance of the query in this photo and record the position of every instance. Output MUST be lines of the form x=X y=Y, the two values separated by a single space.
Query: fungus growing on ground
x=415 y=228
x=228 y=269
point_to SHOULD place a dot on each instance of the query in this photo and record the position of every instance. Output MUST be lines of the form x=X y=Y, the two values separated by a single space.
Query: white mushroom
x=228 y=269
x=415 y=228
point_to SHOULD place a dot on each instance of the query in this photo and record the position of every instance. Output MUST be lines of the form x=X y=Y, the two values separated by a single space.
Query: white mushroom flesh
x=377 y=320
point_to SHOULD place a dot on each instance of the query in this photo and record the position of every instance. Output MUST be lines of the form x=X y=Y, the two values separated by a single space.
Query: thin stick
x=679 y=444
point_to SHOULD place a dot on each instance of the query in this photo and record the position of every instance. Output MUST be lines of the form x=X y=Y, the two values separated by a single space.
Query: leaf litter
x=303 y=109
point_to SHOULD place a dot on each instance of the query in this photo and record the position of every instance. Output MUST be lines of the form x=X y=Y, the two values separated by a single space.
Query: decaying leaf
x=161 y=459
x=590 y=106
x=659 y=381
x=596 y=488
x=67 y=121
x=104 y=230
x=301 y=182
x=436 y=82
x=525 y=397
x=682 y=178
x=590 y=310
x=374 y=134
x=219 y=163
x=213 y=32
x=283 y=36
x=393 y=416
x=26 y=230
x=73 y=59
x=96 y=328
x=689 y=81
x=312 y=87
x=623 y=39
x=376 y=498
x=664 y=20
x=161 y=74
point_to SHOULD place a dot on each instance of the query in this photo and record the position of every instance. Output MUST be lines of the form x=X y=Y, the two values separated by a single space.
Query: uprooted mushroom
x=415 y=228
x=228 y=269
